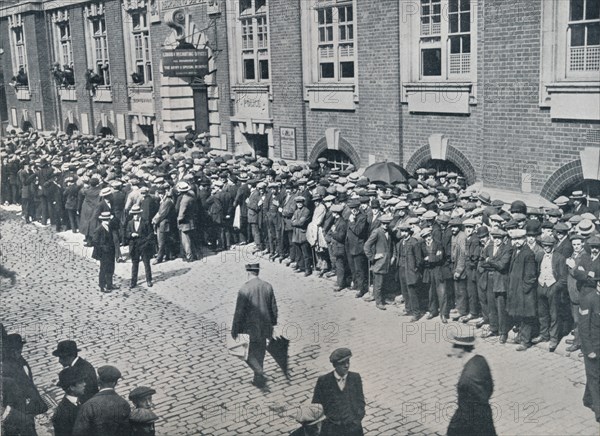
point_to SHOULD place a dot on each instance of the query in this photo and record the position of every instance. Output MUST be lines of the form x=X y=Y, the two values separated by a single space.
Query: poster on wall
x=287 y=136
x=154 y=11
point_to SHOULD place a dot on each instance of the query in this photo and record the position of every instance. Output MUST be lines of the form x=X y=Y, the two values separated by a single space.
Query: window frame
x=140 y=43
x=18 y=49
x=253 y=41
x=570 y=24
x=97 y=42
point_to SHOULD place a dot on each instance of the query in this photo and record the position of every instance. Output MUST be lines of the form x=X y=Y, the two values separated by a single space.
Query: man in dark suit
x=67 y=353
x=356 y=236
x=552 y=281
x=340 y=392
x=521 y=298
x=300 y=221
x=106 y=413
x=475 y=387
x=255 y=315
x=164 y=225
x=72 y=382
x=379 y=249
x=104 y=251
x=337 y=246
x=140 y=236
x=589 y=330
x=409 y=259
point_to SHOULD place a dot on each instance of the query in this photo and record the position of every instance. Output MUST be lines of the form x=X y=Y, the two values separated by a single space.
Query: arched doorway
x=26 y=126
x=72 y=129
x=336 y=159
x=105 y=131
x=443 y=165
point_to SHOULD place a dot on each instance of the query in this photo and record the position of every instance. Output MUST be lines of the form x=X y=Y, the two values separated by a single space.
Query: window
x=335 y=41
x=337 y=159
x=66 y=50
x=20 y=48
x=254 y=32
x=445 y=44
x=584 y=36
x=18 y=52
x=141 y=59
x=99 y=43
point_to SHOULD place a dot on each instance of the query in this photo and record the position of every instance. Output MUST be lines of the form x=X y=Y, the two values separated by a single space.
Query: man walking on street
x=255 y=315
x=140 y=237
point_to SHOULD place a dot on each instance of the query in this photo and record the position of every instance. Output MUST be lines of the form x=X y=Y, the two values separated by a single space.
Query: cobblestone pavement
x=172 y=337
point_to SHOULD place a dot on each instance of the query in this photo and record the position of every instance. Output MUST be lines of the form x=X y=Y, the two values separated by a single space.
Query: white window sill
x=439 y=97
x=67 y=94
x=23 y=93
x=103 y=95
x=331 y=96
x=140 y=89
x=573 y=100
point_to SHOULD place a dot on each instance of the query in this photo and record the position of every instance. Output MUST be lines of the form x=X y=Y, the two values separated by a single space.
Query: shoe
x=330 y=274
x=415 y=318
x=405 y=313
x=149 y=283
x=368 y=298
x=308 y=273
x=292 y=264
x=503 y=339
x=287 y=262
x=114 y=287
x=444 y=319
x=455 y=316
x=489 y=334
x=121 y=260
x=580 y=355
x=552 y=346
x=539 y=339
x=572 y=348
x=13 y=279
x=380 y=306
x=359 y=294
x=105 y=290
x=480 y=324
x=337 y=289
x=465 y=319
x=132 y=285
x=569 y=341
x=156 y=262
x=522 y=347
x=429 y=315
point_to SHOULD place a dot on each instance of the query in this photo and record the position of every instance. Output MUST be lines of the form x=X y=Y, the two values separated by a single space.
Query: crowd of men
x=449 y=252
x=90 y=405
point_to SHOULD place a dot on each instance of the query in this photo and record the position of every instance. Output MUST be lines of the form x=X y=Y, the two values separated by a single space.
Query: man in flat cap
x=68 y=357
x=340 y=392
x=142 y=418
x=379 y=251
x=300 y=222
x=255 y=315
x=336 y=236
x=522 y=280
x=310 y=416
x=552 y=281
x=73 y=384
x=356 y=236
x=475 y=387
x=106 y=413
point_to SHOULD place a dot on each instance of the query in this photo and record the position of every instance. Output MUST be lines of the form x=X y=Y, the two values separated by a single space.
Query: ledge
x=574 y=100
x=331 y=96
x=134 y=89
x=23 y=93
x=67 y=94
x=103 y=95
x=439 y=97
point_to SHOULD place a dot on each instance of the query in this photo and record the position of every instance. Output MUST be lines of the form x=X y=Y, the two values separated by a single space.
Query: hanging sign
x=185 y=62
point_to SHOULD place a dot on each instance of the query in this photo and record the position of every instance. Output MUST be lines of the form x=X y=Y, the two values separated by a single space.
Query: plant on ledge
x=92 y=80
x=20 y=79
x=64 y=77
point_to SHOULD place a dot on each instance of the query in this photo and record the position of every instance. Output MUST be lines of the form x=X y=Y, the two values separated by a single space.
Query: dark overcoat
x=522 y=281
x=255 y=310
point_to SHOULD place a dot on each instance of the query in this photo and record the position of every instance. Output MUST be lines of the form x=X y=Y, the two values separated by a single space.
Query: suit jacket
x=253 y=207
x=142 y=245
x=432 y=267
x=64 y=417
x=337 y=237
x=149 y=207
x=379 y=242
x=91 y=380
x=300 y=221
x=589 y=323
x=358 y=232
x=289 y=208
x=459 y=255
x=522 y=281
x=564 y=247
x=559 y=269
x=473 y=252
x=187 y=212
x=105 y=414
x=255 y=310
x=328 y=394
x=495 y=268
x=215 y=208
x=104 y=246
x=165 y=216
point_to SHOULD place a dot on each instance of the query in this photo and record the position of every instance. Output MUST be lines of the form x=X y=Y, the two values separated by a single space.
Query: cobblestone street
x=172 y=338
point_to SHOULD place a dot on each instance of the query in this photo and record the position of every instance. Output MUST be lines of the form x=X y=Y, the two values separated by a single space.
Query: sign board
x=287 y=137
x=252 y=104
x=174 y=4
x=186 y=62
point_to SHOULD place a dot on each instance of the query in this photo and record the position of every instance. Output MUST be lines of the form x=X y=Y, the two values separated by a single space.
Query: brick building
x=506 y=93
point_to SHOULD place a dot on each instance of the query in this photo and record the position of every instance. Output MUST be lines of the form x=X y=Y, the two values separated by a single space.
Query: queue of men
x=90 y=405
x=448 y=252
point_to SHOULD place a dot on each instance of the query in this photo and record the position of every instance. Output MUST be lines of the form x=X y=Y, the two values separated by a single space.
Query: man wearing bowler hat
x=340 y=392
x=67 y=353
x=255 y=315
x=72 y=382
x=106 y=413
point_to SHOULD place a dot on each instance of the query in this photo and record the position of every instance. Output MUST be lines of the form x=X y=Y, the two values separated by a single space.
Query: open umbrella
x=386 y=172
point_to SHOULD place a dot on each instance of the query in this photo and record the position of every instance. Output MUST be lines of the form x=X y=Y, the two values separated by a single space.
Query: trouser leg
x=147 y=268
x=135 y=266
x=504 y=322
x=473 y=297
x=543 y=311
x=307 y=256
x=483 y=297
x=361 y=268
x=460 y=296
x=553 y=312
x=377 y=288
x=526 y=329
x=575 y=314
x=162 y=240
x=256 y=355
x=186 y=244
x=340 y=271
x=591 y=396
x=493 y=311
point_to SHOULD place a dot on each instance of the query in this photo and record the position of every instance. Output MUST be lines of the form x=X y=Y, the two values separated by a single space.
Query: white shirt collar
x=74 y=361
x=72 y=399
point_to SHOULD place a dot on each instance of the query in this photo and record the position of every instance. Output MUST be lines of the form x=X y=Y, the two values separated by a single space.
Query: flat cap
x=547 y=240
x=482 y=232
x=69 y=376
x=353 y=203
x=455 y=222
x=517 y=233
x=425 y=232
x=340 y=355
x=140 y=392
x=594 y=241
x=554 y=212
x=109 y=373
x=561 y=227
x=299 y=199
x=561 y=201
x=386 y=219
x=338 y=208
x=496 y=232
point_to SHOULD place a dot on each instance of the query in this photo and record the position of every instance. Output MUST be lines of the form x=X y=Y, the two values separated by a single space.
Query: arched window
x=105 y=131
x=443 y=165
x=590 y=188
x=337 y=159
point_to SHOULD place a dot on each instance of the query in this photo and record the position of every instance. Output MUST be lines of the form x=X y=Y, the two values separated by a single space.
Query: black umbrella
x=278 y=348
x=386 y=172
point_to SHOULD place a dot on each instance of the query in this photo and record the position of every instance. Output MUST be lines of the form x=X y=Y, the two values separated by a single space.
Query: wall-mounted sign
x=213 y=7
x=287 y=137
x=186 y=62
x=252 y=104
x=174 y=4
